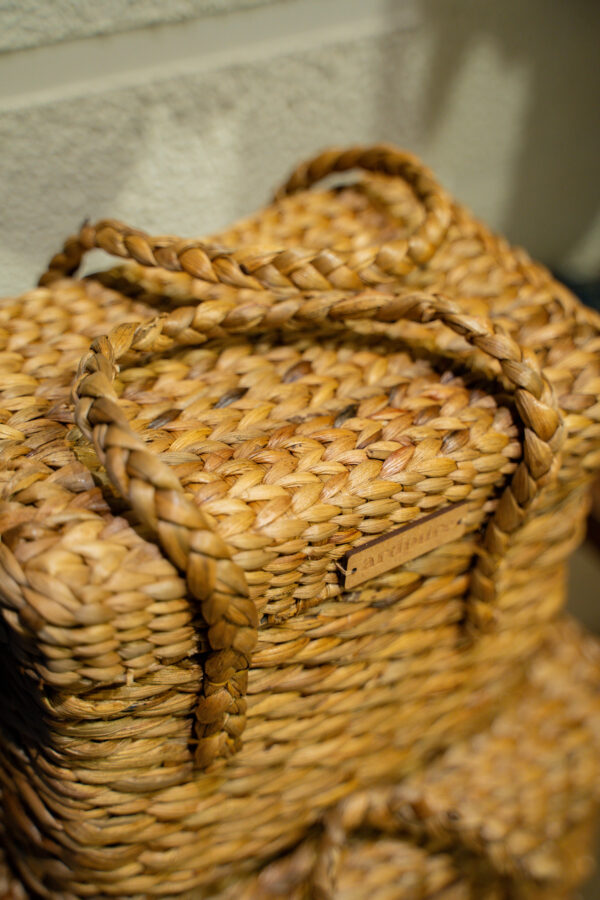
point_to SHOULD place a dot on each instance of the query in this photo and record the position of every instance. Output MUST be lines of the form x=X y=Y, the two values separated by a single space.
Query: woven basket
x=285 y=516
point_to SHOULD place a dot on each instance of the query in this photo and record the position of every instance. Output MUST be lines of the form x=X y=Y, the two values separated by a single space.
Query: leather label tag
x=391 y=550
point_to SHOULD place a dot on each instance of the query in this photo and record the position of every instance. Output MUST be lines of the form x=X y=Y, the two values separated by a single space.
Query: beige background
x=181 y=115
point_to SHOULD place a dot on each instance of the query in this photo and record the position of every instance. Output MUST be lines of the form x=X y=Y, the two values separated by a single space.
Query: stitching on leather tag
x=391 y=550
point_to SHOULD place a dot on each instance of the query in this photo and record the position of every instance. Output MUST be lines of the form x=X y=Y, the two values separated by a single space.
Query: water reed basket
x=285 y=515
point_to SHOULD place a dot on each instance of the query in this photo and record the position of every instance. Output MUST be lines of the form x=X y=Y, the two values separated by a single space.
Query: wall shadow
x=555 y=185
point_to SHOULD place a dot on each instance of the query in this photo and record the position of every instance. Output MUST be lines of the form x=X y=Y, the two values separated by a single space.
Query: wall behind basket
x=181 y=116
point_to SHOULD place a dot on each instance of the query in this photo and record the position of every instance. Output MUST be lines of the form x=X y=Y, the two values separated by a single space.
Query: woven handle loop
x=155 y=493
x=396 y=257
x=289 y=268
x=187 y=537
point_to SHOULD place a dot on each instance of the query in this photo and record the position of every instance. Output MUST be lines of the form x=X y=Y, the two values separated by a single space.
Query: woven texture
x=190 y=445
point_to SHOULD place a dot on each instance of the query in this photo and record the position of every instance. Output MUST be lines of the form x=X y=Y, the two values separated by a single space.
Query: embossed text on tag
x=406 y=543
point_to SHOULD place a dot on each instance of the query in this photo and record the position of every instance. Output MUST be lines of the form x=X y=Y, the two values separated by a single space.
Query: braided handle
x=184 y=532
x=157 y=496
x=303 y=268
x=380 y=810
x=397 y=257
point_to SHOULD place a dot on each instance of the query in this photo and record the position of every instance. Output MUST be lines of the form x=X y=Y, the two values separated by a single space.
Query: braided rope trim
x=289 y=268
x=188 y=539
x=186 y=535
x=388 y=160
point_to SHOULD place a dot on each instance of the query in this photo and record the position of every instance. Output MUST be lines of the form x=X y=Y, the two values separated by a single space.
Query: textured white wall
x=183 y=126
x=36 y=23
